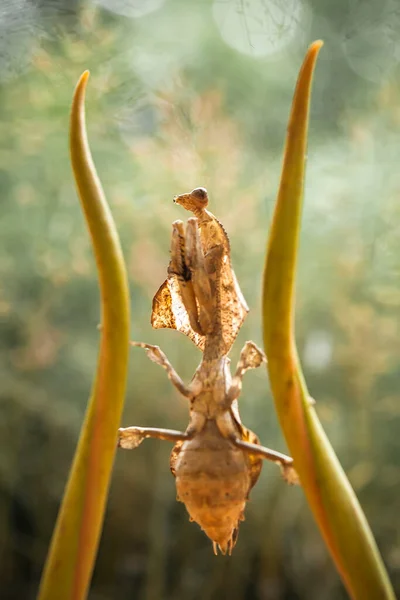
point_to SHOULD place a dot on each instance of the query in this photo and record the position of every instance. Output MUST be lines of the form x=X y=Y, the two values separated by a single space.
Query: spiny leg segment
x=251 y=357
x=285 y=462
x=157 y=356
x=131 y=437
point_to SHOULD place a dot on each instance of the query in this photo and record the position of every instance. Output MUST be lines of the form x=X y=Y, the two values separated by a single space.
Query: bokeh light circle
x=260 y=27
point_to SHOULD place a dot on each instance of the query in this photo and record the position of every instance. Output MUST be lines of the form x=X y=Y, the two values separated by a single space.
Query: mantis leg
x=157 y=356
x=194 y=259
x=131 y=437
x=179 y=268
x=285 y=462
x=251 y=357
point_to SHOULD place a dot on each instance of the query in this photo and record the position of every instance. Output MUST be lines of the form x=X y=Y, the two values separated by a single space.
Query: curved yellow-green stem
x=329 y=494
x=77 y=532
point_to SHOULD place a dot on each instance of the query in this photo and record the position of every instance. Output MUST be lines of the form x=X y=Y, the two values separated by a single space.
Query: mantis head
x=195 y=201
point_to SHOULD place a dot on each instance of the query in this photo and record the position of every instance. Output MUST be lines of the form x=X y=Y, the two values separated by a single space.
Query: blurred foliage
x=173 y=106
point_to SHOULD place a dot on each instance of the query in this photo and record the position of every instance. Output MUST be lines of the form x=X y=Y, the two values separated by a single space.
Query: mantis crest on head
x=216 y=461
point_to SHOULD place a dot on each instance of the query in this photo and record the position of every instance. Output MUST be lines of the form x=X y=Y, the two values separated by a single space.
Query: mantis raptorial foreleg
x=284 y=461
x=251 y=357
x=194 y=259
x=130 y=437
x=178 y=267
x=157 y=356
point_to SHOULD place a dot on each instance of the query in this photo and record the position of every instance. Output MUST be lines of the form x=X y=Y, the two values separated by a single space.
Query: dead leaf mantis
x=216 y=461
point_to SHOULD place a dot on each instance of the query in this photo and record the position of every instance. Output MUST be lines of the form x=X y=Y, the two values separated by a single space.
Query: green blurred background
x=185 y=94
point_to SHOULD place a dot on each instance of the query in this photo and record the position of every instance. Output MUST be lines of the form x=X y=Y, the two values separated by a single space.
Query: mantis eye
x=199 y=193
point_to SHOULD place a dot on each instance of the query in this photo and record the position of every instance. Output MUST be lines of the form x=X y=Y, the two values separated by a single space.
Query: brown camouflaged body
x=217 y=460
x=213 y=480
x=213 y=477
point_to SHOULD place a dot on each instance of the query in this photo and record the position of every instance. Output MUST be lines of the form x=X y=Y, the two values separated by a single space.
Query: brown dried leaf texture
x=231 y=307
x=168 y=311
